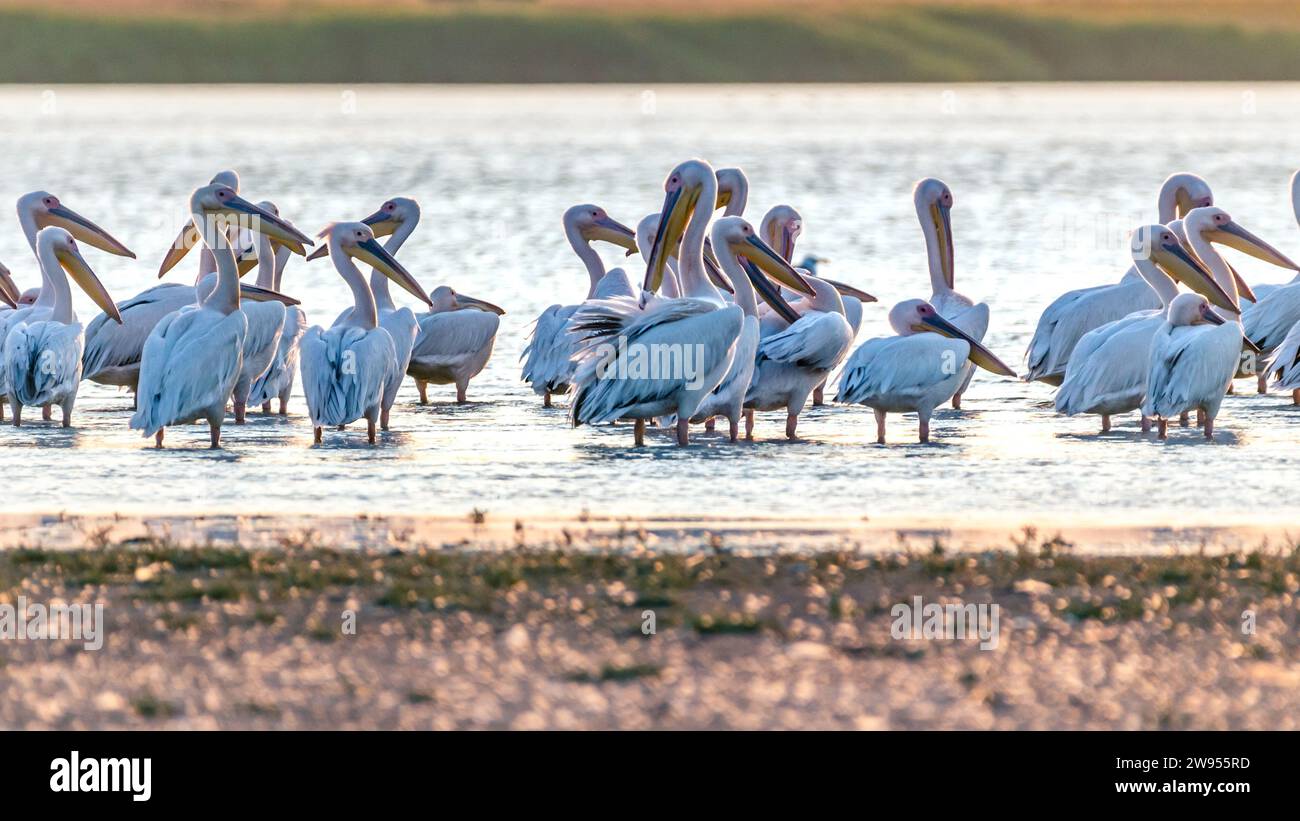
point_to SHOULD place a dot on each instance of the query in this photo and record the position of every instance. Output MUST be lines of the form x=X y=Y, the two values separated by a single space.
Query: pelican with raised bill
x=663 y=357
x=42 y=358
x=455 y=342
x=1273 y=318
x=548 y=356
x=192 y=357
x=37 y=210
x=915 y=371
x=114 y=350
x=345 y=369
x=278 y=381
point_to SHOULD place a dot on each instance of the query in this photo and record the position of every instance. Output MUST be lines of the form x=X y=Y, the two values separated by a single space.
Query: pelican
x=933 y=201
x=1192 y=363
x=455 y=341
x=698 y=332
x=37 y=210
x=1107 y=373
x=916 y=371
x=113 y=351
x=1270 y=320
x=645 y=237
x=9 y=293
x=42 y=358
x=396 y=219
x=192 y=358
x=1074 y=313
x=277 y=382
x=346 y=369
x=547 y=356
x=733 y=235
x=1285 y=362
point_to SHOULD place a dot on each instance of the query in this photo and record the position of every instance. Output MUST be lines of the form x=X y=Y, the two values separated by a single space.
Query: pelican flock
x=720 y=325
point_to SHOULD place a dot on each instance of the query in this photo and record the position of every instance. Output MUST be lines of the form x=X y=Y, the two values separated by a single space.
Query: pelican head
x=933 y=200
x=46 y=210
x=9 y=294
x=29 y=297
x=733 y=190
x=60 y=242
x=356 y=240
x=392 y=215
x=444 y=298
x=216 y=207
x=229 y=178
x=1192 y=309
x=1217 y=226
x=914 y=316
x=781 y=226
x=1161 y=245
x=592 y=223
x=1187 y=192
x=683 y=190
x=735 y=236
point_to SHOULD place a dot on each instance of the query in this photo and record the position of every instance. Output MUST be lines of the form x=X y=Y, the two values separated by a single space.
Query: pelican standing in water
x=265 y=324
x=278 y=381
x=192 y=357
x=1077 y=312
x=455 y=342
x=1195 y=354
x=1273 y=317
x=1108 y=370
x=113 y=351
x=42 y=358
x=396 y=219
x=346 y=369
x=701 y=328
x=548 y=366
x=37 y=210
x=916 y=371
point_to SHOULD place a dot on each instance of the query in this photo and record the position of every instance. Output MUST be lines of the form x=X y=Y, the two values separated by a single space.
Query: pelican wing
x=188 y=368
x=1075 y=313
x=547 y=365
x=110 y=345
x=1190 y=367
x=1112 y=377
x=818 y=341
x=280 y=375
x=344 y=371
x=1267 y=322
x=904 y=367
x=449 y=337
x=615 y=284
x=1285 y=359
x=265 y=325
x=43 y=361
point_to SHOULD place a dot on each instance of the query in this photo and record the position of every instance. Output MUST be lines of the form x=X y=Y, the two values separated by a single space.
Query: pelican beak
x=1208 y=317
x=943 y=230
x=1175 y=260
x=9 y=293
x=322 y=251
x=771 y=263
x=769 y=292
x=1243 y=288
x=294 y=247
x=979 y=354
x=849 y=290
x=264 y=222
x=714 y=269
x=83 y=230
x=724 y=198
x=464 y=301
x=256 y=294
x=679 y=204
x=786 y=248
x=376 y=256
x=1184 y=204
x=75 y=265
x=1251 y=346
x=381 y=223
x=614 y=232
x=1234 y=236
x=185 y=240
x=246 y=260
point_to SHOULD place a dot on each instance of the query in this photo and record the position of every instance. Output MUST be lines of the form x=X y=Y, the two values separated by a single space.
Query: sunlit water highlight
x=1047 y=180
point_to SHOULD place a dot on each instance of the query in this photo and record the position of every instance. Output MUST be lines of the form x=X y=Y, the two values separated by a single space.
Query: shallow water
x=1047 y=180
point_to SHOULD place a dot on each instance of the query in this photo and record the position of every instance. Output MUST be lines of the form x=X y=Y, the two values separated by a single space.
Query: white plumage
x=344 y=371
x=454 y=343
x=188 y=369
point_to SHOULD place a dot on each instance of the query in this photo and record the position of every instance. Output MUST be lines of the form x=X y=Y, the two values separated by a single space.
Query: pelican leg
x=956 y=404
x=683 y=431
x=733 y=427
x=47 y=412
x=214 y=433
x=1263 y=383
x=67 y=410
x=819 y=395
x=343 y=427
x=18 y=412
x=546 y=400
x=749 y=424
x=158 y=438
x=423 y=387
x=2 y=411
x=880 y=427
x=1200 y=418
x=461 y=388
x=284 y=406
x=638 y=433
x=710 y=423
x=1105 y=423
x=383 y=418
x=1184 y=419
x=317 y=433
x=370 y=430
x=1146 y=424
x=925 y=430
x=1295 y=397
x=266 y=408
x=1209 y=427
x=241 y=408
x=791 y=422
x=1231 y=389
x=1162 y=427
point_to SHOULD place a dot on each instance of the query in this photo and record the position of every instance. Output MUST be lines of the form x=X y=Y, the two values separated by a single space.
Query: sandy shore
x=478 y=635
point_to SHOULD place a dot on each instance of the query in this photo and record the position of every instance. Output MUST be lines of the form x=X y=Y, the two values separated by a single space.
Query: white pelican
x=916 y=371
x=645 y=237
x=1285 y=362
x=9 y=293
x=1269 y=321
x=346 y=369
x=396 y=219
x=277 y=382
x=1074 y=313
x=733 y=191
x=192 y=357
x=732 y=235
x=42 y=357
x=1191 y=365
x=933 y=201
x=266 y=322
x=37 y=210
x=1107 y=373
x=113 y=351
x=548 y=367
x=455 y=341
x=624 y=346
